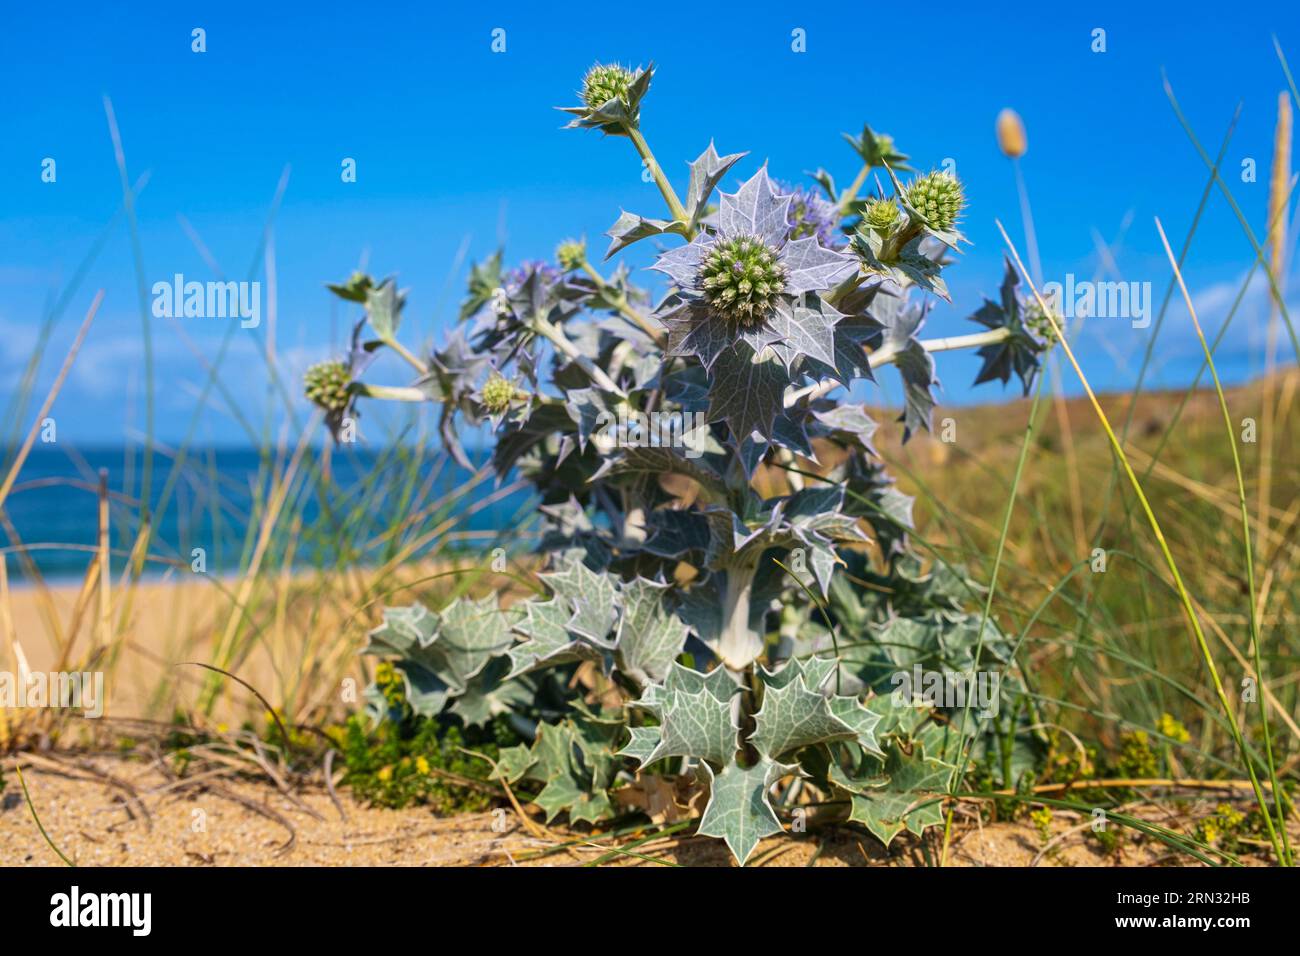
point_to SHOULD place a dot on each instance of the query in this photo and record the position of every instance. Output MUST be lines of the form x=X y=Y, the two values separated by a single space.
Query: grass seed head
x=1011 y=134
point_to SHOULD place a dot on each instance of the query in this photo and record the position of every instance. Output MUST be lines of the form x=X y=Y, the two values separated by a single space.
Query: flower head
x=1011 y=134
x=355 y=289
x=611 y=98
x=812 y=214
x=571 y=254
x=514 y=280
x=748 y=280
x=508 y=298
x=497 y=394
x=745 y=289
x=741 y=278
x=881 y=214
x=878 y=149
x=605 y=82
x=326 y=384
x=938 y=197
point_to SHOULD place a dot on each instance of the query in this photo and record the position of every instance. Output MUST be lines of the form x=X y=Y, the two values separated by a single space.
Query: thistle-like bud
x=355 y=289
x=1011 y=134
x=605 y=82
x=497 y=394
x=938 y=198
x=741 y=278
x=1036 y=320
x=571 y=254
x=881 y=214
x=326 y=384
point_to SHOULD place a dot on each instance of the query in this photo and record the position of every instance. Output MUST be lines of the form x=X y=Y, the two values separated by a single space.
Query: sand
x=110 y=811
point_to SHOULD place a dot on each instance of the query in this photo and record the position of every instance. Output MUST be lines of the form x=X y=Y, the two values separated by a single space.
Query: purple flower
x=514 y=280
x=812 y=214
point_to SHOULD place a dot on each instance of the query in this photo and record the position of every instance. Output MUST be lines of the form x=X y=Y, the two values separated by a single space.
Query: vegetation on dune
x=725 y=558
x=752 y=600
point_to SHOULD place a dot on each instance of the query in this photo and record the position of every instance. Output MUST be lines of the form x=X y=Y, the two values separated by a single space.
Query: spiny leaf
x=630 y=228
x=547 y=638
x=746 y=394
x=384 y=308
x=591 y=598
x=706 y=172
x=739 y=811
x=792 y=716
x=697 y=725
x=912 y=797
x=649 y=636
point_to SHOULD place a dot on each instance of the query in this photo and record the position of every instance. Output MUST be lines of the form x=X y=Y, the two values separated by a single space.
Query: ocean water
x=336 y=519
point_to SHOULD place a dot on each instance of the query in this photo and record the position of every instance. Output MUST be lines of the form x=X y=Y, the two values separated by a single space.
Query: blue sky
x=458 y=148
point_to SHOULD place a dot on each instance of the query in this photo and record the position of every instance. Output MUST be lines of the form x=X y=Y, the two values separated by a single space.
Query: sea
x=208 y=505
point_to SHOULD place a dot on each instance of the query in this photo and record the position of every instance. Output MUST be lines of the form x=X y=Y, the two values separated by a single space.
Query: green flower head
x=497 y=394
x=571 y=254
x=610 y=98
x=604 y=83
x=326 y=384
x=881 y=214
x=741 y=278
x=1037 y=322
x=938 y=198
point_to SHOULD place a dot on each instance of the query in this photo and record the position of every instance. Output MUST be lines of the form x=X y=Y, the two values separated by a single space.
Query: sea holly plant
x=728 y=593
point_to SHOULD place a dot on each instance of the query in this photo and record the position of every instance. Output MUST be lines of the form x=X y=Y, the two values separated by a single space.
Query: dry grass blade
x=284 y=734
x=26 y=448
x=1284 y=847
x=1179 y=585
x=1276 y=237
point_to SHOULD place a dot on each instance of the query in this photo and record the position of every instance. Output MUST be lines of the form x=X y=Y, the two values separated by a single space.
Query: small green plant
x=1223 y=828
x=1042 y=821
x=406 y=758
x=1109 y=839
x=394 y=766
x=711 y=503
x=1136 y=758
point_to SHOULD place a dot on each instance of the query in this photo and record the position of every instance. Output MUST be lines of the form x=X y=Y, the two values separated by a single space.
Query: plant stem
x=944 y=344
x=665 y=187
x=556 y=337
x=738 y=645
x=886 y=356
x=405 y=353
x=625 y=307
x=391 y=393
x=850 y=194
